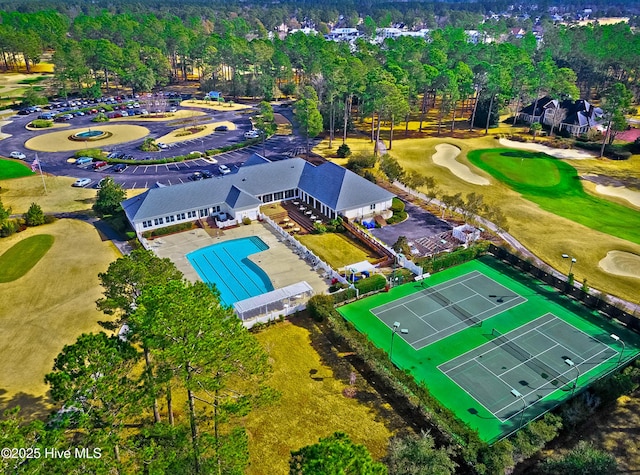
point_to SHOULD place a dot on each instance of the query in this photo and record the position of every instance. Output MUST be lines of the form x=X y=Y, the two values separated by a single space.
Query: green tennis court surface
x=496 y=347
x=441 y=310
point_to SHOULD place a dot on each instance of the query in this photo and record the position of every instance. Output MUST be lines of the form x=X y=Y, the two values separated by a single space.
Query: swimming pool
x=226 y=265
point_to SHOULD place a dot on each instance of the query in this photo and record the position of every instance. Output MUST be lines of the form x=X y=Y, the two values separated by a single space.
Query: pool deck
x=281 y=264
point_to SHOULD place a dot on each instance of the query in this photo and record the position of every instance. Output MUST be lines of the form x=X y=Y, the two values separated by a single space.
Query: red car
x=99 y=165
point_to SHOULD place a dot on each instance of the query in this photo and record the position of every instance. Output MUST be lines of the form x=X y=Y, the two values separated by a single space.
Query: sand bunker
x=623 y=192
x=59 y=141
x=621 y=263
x=554 y=152
x=445 y=156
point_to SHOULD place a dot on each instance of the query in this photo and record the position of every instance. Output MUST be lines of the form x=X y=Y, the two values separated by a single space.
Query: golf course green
x=556 y=187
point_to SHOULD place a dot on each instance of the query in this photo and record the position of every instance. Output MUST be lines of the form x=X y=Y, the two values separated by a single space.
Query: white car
x=18 y=155
x=173 y=109
x=225 y=170
x=251 y=134
x=81 y=182
x=162 y=145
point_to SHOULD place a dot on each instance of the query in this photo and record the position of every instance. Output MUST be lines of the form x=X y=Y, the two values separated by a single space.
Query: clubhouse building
x=329 y=188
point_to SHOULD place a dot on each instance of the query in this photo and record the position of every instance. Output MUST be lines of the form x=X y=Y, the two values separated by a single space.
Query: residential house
x=580 y=115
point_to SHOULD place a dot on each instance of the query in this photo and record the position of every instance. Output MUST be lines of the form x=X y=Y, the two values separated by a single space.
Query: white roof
x=359 y=267
x=276 y=295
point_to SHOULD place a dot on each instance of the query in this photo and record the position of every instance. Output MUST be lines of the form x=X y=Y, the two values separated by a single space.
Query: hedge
x=370 y=284
x=449 y=259
x=175 y=228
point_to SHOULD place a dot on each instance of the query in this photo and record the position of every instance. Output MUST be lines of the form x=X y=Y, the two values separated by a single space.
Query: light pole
x=573 y=261
x=619 y=340
x=517 y=394
x=570 y=363
x=396 y=327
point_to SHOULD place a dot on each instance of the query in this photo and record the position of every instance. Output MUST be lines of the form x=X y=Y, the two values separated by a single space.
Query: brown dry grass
x=59 y=141
x=544 y=233
x=223 y=107
x=48 y=308
x=208 y=129
x=312 y=404
x=163 y=117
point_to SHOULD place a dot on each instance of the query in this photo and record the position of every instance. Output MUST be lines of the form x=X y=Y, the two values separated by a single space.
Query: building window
x=170 y=219
x=290 y=193
x=191 y=214
x=279 y=196
x=146 y=224
x=267 y=198
x=217 y=209
x=372 y=207
x=158 y=221
x=204 y=212
x=181 y=216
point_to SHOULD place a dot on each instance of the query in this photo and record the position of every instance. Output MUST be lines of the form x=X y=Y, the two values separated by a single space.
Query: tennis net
x=525 y=357
x=461 y=313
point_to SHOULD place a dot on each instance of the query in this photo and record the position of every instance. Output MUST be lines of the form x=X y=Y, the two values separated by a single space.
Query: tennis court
x=442 y=310
x=492 y=344
x=523 y=367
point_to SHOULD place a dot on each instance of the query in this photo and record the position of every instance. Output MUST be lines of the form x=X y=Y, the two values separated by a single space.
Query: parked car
x=81 y=182
x=102 y=182
x=221 y=128
x=100 y=165
x=162 y=145
x=68 y=116
x=83 y=160
x=17 y=155
x=196 y=176
x=46 y=116
x=206 y=174
x=251 y=134
x=173 y=109
x=24 y=112
x=119 y=167
x=225 y=170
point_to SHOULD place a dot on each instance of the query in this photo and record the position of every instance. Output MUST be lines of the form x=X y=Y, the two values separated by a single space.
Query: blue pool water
x=226 y=265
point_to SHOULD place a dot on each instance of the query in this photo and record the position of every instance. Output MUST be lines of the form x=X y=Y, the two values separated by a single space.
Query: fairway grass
x=49 y=308
x=555 y=186
x=545 y=234
x=311 y=405
x=19 y=193
x=23 y=256
x=13 y=169
x=336 y=249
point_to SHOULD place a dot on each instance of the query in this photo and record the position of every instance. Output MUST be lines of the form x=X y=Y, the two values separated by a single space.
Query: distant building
x=581 y=116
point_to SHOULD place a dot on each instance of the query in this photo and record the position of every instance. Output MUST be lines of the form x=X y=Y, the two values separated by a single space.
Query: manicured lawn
x=12 y=169
x=311 y=403
x=19 y=259
x=555 y=186
x=336 y=249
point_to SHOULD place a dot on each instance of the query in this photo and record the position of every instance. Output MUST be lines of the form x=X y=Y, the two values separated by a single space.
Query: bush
x=94 y=153
x=320 y=306
x=41 y=123
x=246 y=220
x=319 y=228
x=397 y=217
x=8 y=228
x=34 y=216
x=101 y=117
x=343 y=151
x=175 y=228
x=397 y=205
x=584 y=459
x=371 y=284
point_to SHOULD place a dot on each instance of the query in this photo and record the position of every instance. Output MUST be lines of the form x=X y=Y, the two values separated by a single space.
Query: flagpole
x=41 y=175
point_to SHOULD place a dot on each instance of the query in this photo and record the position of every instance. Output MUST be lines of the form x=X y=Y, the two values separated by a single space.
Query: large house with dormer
x=581 y=116
x=329 y=188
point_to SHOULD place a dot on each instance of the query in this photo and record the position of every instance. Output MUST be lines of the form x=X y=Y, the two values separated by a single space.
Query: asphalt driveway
x=419 y=224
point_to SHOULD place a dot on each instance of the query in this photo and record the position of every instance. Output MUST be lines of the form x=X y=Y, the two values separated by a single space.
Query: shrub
x=320 y=306
x=370 y=284
x=149 y=145
x=175 y=228
x=34 y=216
x=397 y=205
x=246 y=220
x=397 y=217
x=101 y=117
x=8 y=228
x=95 y=153
x=319 y=228
x=343 y=151
x=584 y=459
x=41 y=123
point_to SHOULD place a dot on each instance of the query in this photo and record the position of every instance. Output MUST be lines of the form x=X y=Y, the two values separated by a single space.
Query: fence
x=594 y=301
x=302 y=250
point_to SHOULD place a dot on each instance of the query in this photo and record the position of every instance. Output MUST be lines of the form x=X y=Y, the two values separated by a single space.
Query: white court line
x=418 y=295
